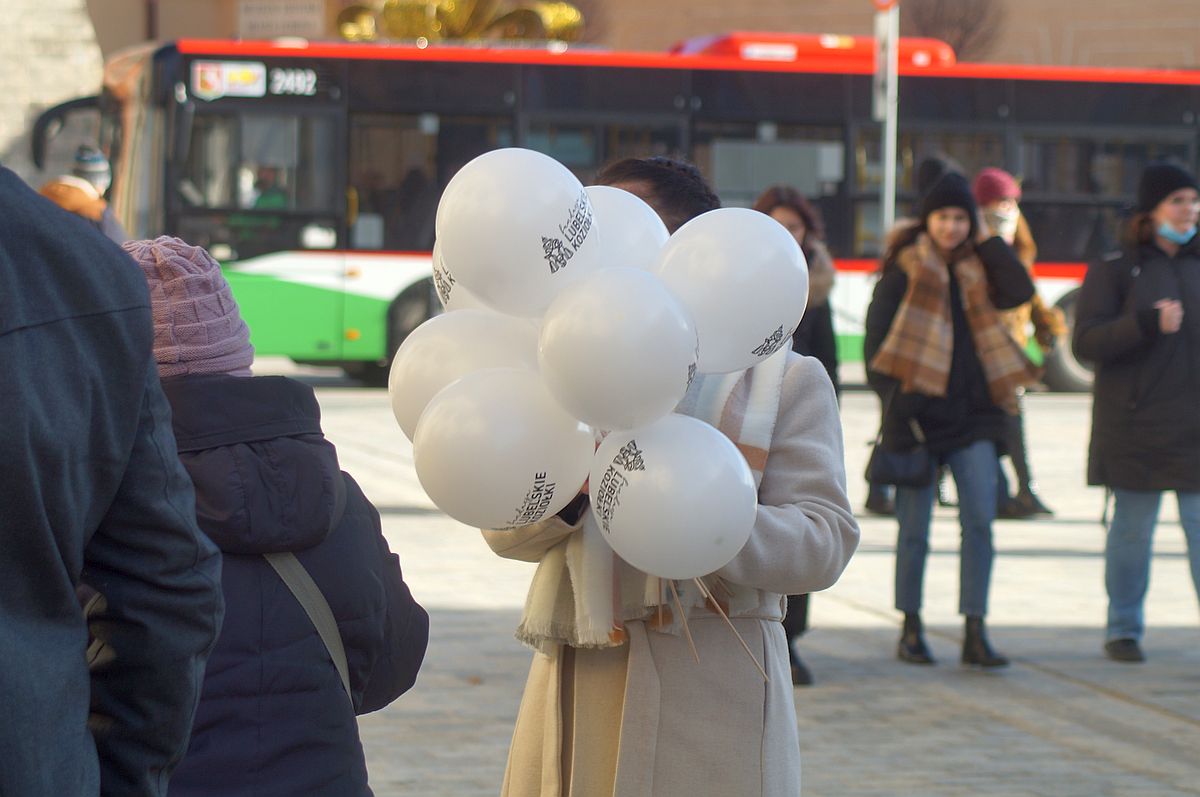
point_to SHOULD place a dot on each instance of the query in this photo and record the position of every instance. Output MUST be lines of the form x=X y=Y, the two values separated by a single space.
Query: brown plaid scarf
x=918 y=347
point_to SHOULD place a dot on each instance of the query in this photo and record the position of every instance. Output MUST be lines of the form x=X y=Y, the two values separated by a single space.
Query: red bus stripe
x=830 y=64
x=1070 y=271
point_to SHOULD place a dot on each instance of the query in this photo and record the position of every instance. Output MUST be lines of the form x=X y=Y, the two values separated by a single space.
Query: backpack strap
x=306 y=591
x=308 y=594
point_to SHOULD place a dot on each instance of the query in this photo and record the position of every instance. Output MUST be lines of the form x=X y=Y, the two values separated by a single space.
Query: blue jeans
x=1127 y=555
x=974 y=468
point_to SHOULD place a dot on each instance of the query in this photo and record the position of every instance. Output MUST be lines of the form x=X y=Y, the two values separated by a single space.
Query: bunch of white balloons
x=571 y=316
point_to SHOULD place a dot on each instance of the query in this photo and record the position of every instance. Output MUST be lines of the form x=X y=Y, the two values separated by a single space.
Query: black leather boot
x=976 y=651
x=912 y=647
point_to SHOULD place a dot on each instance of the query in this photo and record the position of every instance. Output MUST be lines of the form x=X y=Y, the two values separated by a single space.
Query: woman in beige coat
x=615 y=703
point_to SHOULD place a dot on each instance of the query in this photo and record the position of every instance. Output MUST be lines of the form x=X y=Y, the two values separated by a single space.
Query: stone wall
x=48 y=54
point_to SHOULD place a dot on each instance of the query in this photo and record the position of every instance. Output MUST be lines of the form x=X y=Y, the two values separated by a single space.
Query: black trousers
x=795 y=621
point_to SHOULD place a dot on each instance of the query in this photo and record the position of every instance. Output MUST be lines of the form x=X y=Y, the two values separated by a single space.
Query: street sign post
x=885 y=102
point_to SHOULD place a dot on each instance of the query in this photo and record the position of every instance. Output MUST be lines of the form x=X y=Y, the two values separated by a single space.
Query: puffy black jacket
x=274 y=718
x=966 y=413
x=1146 y=407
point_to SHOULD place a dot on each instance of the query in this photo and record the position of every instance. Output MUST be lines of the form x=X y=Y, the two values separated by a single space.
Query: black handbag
x=912 y=467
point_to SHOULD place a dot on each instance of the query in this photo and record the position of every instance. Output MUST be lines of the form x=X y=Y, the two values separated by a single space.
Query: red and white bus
x=312 y=169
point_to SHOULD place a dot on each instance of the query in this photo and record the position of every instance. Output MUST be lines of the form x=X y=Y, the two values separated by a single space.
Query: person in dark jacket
x=814 y=337
x=947 y=373
x=274 y=717
x=1138 y=320
x=93 y=493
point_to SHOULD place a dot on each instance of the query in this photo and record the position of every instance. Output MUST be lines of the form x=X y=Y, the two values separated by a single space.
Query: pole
x=891 y=104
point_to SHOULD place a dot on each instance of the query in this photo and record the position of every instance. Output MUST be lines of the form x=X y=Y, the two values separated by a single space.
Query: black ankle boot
x=976 y=650
x=1029 y=501
x=912 y=647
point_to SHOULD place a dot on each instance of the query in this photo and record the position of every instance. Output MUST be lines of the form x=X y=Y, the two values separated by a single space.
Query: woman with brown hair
x=998 y=195
x=814 y=337
x=947 y=373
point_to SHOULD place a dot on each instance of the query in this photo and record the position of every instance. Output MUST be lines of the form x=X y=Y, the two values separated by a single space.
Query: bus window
x=259 y=183
x=260 y=162
x=741 y=159
x=400 y=163
x=584 y=148
x=1064 y=166
x=1072 y=233
x=973 y=151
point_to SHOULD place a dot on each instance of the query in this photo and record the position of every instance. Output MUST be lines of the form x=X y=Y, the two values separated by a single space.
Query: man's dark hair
x=674 y=188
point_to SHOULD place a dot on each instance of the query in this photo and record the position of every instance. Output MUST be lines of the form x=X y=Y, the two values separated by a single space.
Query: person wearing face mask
x=998 y=194
x=1138 y=321
x=82 y=192
x=947 y=373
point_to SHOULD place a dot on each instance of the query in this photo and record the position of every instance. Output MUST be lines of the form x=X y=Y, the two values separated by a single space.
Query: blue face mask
x=1175 y=236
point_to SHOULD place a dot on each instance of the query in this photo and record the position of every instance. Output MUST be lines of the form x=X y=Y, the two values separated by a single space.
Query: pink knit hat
x=197 y=327
x=992 y=185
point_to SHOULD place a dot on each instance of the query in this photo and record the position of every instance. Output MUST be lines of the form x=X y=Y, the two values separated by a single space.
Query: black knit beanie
x=951 y=191
x=1159 y=180
x=932 y=169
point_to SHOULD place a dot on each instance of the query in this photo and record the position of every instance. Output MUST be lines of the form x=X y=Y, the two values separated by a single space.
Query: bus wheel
x=1065 y=373
x=409 y=310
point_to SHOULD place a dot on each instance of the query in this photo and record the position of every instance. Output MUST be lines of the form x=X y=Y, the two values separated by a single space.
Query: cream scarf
x=582 y=593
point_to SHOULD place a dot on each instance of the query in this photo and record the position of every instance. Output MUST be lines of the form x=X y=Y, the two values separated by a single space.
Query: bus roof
x=741 y=52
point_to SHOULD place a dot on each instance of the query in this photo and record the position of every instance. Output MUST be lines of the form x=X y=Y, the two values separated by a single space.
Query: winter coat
x=644 y=719
x=1049 y=324
x=1146 y=407
x=814 y=336
x=967 y=412
x=274 y=718
x=91 y=490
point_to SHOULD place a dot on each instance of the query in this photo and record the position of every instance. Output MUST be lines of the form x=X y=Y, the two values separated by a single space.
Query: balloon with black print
x=494 y=451
x=517 y=227
x=451 y=293
x=742 y=276
x=675 y=499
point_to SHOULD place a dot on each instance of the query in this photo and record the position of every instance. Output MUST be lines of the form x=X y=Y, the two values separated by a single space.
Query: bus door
x=262 y=189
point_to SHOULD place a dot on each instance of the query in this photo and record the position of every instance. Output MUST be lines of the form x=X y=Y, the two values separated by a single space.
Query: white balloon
x=616 y=349
x=674 y=499
x=452 y=294
x=517 y=227
x=633 y=232
x=450 y=346
x=494 y=451
x=742 y=276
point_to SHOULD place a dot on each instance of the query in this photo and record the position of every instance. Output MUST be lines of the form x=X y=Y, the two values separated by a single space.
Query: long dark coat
x=1146 y=408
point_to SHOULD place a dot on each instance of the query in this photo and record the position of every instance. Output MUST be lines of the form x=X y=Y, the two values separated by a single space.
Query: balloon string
x=687 y=632
x=704 y=591
x=660 y=604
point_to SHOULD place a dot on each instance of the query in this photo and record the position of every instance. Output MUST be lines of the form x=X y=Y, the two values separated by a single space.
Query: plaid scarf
x=582 y=593
x=919 y=345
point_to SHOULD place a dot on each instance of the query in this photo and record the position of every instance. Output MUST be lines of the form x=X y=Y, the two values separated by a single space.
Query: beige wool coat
x=645 y=719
